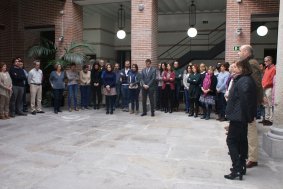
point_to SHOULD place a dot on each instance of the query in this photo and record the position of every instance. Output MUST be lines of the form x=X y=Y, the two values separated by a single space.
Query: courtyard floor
x=91 y=150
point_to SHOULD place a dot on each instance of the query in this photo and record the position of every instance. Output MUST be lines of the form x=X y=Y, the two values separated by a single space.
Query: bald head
x=246 y=51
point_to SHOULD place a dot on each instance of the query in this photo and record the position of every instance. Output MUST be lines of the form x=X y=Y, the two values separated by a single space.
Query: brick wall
x=18 y=17
x=246 y=9
x=144 y=32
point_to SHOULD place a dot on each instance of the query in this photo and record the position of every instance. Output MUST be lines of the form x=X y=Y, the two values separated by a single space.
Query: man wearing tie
x=147 y=83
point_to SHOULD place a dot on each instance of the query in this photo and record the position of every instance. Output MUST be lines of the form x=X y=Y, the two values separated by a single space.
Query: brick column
x=73 y=26
x=239 y=15
x=144 y=32
x=273 y=140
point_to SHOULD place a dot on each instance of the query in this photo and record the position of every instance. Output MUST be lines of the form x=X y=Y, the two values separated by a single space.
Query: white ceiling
x=109 y=7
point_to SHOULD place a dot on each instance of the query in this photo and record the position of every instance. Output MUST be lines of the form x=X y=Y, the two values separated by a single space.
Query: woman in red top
x=168 y=86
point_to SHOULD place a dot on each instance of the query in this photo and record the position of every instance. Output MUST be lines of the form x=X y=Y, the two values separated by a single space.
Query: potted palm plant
x=46 y=51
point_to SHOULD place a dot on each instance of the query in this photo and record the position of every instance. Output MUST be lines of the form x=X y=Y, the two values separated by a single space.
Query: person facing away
x=148 y=83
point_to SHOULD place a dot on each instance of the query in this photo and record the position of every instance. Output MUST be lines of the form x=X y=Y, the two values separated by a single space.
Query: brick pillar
x=239 y=15
x=73 y=26
x=144 y=32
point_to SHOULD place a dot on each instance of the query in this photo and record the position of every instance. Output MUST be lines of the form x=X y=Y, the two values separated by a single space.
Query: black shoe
x=233 y=176
x=40 y=112
x=195 y=115
x=22 y=114
x=59 y=110
x=111 y=112
x=143 y=114
x=267 y=123
x=243 y=172
x=262 y=121
x=33 y=112
x=190 y=115
x=55 y=111
x=152 y=114
x=203 y=117
x=107 y=112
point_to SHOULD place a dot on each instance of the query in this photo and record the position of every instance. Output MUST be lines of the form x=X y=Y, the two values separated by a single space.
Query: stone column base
x=273 y=143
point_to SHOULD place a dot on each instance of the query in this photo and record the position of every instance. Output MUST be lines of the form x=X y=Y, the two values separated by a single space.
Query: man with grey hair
x=35 y=81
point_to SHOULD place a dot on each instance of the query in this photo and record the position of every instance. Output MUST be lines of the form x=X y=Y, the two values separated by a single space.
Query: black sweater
x=18 y=76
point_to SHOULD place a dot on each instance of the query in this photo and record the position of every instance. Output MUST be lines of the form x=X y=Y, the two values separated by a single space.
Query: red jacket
x=170 y=80
x=267 y=79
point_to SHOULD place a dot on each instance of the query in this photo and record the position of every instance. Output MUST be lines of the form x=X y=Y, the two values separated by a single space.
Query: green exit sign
x=236 y=48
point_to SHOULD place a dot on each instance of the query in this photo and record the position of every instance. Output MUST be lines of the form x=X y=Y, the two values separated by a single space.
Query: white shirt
x=35 y=76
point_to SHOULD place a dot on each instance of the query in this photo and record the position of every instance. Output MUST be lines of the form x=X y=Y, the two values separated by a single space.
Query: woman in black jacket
x=194 y=91
x=96 y=82
x=240 y=110
x=208 y=87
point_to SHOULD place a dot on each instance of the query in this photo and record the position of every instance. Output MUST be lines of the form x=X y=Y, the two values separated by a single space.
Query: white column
x=273 y=140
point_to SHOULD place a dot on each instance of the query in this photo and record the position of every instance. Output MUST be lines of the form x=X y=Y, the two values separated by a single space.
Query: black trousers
x=97 y=96
x=194 y=106
x=109 y=101
x=150 y=93
x=237 y=143
x=58 y=96
x=169 y=98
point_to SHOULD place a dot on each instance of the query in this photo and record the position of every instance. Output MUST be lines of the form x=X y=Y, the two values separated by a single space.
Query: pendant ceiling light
x=262 y=31
x=121 y=34
x=192 y=31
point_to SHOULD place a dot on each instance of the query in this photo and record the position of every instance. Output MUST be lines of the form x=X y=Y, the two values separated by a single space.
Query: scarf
x=207 y=81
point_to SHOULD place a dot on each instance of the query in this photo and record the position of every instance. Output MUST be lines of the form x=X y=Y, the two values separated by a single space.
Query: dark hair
x=245 y=66
x=85 y=66
x=96 y=64
x=73 y=64
x=1 y=65
x=171 y=67
x=197 y=68
x=188 y=66
x=136 y=66
x=148 y=60
x=108 y=64
x=226 y=65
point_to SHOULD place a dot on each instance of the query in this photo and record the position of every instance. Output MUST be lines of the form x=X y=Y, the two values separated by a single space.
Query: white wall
x=101 y=31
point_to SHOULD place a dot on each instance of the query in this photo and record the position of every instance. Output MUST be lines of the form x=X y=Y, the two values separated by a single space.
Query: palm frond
x=82 y=46
x=75 y=57
x=52 y=63
x=45 y=48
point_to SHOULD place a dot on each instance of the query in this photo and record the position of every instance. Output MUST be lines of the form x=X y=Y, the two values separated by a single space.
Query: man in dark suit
x=148 y=84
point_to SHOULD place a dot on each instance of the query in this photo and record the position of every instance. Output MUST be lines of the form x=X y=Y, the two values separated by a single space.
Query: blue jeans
x=134 y=98
x=187 y=100
x=85 y=95
x=72 y=94
x=125 y=96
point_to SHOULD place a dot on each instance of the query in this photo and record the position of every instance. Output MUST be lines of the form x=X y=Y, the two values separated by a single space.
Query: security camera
x=61 y=38
x=141 y=7
x=239 y=31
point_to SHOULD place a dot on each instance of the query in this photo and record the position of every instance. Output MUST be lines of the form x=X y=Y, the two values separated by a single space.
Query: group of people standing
x=13 y=89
